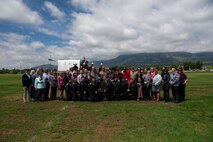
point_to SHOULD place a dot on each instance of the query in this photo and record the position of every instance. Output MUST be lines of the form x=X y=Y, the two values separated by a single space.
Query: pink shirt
x=152 y=75
x=60 y=81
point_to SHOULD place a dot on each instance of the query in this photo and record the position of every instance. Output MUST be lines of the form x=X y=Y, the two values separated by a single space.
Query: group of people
x=89 y=83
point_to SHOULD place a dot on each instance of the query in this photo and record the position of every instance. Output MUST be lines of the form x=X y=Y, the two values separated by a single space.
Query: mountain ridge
x=151 y=59
x=158 y=58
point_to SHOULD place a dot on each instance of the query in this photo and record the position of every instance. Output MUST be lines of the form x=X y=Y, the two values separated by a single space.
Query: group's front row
x=98 y=85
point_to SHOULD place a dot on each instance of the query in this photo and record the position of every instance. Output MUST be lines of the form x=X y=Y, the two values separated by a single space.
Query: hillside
x=47 y=66
x=145 y=59
x=151 y=59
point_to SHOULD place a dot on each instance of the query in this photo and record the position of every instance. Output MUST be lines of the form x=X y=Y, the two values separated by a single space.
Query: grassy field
x=191 y=121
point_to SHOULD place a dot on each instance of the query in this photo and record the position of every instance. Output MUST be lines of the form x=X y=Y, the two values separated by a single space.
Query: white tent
x=64 y=65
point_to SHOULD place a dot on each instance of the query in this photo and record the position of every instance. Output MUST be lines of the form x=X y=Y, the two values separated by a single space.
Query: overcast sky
x=31 y=30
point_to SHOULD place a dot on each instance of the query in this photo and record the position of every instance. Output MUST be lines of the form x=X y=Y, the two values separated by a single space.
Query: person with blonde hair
x=40 y=86
x=156 y=83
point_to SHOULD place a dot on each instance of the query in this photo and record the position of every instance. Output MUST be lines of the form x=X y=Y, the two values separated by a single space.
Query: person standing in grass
x=60 y=85
x=46 y=77
x=174 y=82
x=146 y=88
x=165 y=84
x=40 y=86
x=32 y=88
x=182 y=85
x=156 y=83
x=53 y=84
x=108 y=88
x=140 y=83
x=26 y=83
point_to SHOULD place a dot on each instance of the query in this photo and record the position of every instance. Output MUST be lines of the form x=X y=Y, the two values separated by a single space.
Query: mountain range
x=151 y=59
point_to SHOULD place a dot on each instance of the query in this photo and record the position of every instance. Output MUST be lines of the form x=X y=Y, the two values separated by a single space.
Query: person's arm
x=58 y=81
x=167 y=79
x=176 y=79
x=185 y=78
x=35 y=85
x=44 y=83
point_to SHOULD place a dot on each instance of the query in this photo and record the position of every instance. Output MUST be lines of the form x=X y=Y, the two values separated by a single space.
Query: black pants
x=81 y=96
x=176 y=94
x=74 y=95
x=68 y=93
x=166 y=92
x=40 y=93
x=46 y=92
x=117 y=95
x=124 y=95
x=182 y=92
x=32 y=92
x=53 y=93
x=109 y=96
x=146 y=92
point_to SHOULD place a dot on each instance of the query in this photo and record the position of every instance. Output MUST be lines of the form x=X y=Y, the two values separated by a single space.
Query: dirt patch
x=13 y=98
x=110 y=125
x=33 y=139
x=8 y=132
x=17 y=118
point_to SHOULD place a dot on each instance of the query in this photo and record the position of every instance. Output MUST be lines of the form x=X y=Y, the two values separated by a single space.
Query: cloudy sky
x=32 y=30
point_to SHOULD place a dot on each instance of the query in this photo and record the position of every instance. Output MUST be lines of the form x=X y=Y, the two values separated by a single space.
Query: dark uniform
x=117 y=89
x=82 y=89
x=124 y=88
x=133 y=90
x=93 y=90
x=74 y=89
x=68 y=88
x=108 y=89
x=166 y=86
x=101 y=93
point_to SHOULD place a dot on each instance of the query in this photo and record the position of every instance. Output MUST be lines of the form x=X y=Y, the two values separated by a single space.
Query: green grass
x=191 y=121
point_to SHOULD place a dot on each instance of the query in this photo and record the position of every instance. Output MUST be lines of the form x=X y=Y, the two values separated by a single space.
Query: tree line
x=188 y=65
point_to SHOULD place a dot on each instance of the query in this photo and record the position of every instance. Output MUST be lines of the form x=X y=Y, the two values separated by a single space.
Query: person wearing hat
x=75 y=67
x=92 y=66
x=101 y=67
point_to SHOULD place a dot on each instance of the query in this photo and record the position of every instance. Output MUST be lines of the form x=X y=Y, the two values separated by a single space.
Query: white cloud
x=37 y=44
x=53 y=33
x=110 y=28
x=16 y=11
x=54 y=11
x=17 y=51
